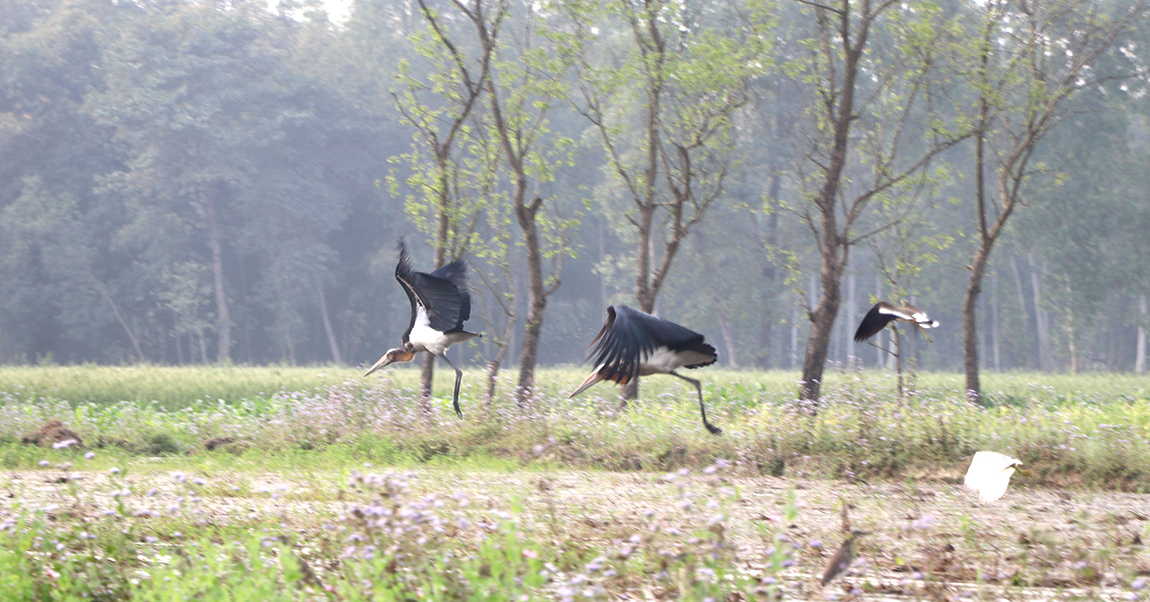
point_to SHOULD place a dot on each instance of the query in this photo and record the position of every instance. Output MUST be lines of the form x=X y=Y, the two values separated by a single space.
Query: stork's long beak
x=386 y=360
x=591 y=380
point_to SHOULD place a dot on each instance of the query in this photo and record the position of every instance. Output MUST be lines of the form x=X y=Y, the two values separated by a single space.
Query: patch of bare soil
x=927 y=542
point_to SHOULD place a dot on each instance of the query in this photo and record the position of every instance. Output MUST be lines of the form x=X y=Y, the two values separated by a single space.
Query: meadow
x=323 y=485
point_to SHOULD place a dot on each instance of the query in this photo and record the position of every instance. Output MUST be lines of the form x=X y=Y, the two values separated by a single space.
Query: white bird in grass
x=884 y=313
x=633 y=344
x=989 y=474
x=440 y=304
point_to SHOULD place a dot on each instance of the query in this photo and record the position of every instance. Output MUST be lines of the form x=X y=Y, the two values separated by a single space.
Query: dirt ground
x=929 y=541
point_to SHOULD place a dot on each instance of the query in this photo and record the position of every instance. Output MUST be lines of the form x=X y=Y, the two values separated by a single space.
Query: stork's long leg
x=928 y=339
x=702 y=409
x=458 y=378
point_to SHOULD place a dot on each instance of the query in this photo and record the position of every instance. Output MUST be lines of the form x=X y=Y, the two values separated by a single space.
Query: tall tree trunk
x=332 y=344
x=536 y=293
x=119 y=316
x=1117 y=330
x=1041 y=318
x=996 y=321
x=203 y=345
x=823 y=318
x=1140 y=343
x=728 y=342
x=794 y=346
x=770 y=277
x=852 y=319
x=896 y=355
x=970 y=323
x=644 y=295
x=223 y=316
x=494 y=365
x=833 y=246
x=1025 y=308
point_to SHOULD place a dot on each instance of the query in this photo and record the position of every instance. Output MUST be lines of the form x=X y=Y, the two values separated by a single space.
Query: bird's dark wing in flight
x=874 y=321
x=439 y=296
x=655 y=332
x=404 y=274
x=629 y=334
x=456 y=273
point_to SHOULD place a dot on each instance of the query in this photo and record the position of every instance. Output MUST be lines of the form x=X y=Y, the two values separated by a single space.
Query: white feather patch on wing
x=989 y=474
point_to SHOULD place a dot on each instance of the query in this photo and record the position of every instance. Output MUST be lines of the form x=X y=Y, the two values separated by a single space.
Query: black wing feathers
x=872 y=323
x=442 y=293
x=403 y=274
x=456 y=273
x=629 y=335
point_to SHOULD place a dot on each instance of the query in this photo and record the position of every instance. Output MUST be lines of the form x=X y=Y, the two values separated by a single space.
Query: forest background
x=191 y=182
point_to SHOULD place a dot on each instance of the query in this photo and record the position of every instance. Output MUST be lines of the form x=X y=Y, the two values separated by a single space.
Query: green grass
x=179 y=387
x=379 y=537
x=1071 y=429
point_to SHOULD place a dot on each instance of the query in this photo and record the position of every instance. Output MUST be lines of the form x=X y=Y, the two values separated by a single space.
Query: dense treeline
x=198 y=182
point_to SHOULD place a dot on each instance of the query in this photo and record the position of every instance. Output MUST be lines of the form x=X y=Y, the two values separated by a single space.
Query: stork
x=989 y=474
x=633 y=344
x=884 y=313
x=440 y=304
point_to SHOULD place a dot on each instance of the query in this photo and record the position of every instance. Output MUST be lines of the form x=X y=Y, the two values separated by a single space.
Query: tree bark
x=1140 y=343
x=332 y=344
x=223 y=316
x=833 y=247
x=996 y=322
x=495 y=364
x=1041 y=319
x=536 y=294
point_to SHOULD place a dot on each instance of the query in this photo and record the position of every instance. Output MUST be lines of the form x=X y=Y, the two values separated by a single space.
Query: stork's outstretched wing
x=875 y=320
x=443 y=293
x=629 y=334
x=884 y=313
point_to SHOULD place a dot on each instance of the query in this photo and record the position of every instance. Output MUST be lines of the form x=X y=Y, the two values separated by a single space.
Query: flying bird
x=884 y=313
x=633 y=344
x=989 y=474
x=440 y=304
x=842 y=559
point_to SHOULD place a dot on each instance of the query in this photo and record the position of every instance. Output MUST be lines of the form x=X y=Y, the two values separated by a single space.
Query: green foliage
x=1091 y=429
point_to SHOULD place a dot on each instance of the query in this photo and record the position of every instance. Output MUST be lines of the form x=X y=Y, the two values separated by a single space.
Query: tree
x=446 y=202
x=528 y=78
x=1032 y=56
x=883 y=93
x=663 y=101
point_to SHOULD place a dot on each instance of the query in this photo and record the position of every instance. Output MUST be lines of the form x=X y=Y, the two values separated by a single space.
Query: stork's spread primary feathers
x=633 y=344
x=440 y=304
x=884 y=313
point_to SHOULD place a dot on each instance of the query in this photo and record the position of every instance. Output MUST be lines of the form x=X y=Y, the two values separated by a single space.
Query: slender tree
x=1024 y=73
x=437 y=100
x=663 y=101
x=845 y=85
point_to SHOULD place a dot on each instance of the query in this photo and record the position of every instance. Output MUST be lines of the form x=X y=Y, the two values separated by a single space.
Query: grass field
x=330 y=487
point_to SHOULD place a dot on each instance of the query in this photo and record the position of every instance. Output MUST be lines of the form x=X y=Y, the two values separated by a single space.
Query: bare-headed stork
x=440 y=304
x=884 y=313
x=633 y=344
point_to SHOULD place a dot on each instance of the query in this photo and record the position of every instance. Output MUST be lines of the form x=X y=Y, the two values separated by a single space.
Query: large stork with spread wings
x=633 y=344
x=440 y=304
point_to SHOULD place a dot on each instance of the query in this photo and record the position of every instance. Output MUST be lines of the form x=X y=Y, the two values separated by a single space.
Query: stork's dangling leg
x=702 y=408
x=920 y=327
x=458 y=378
